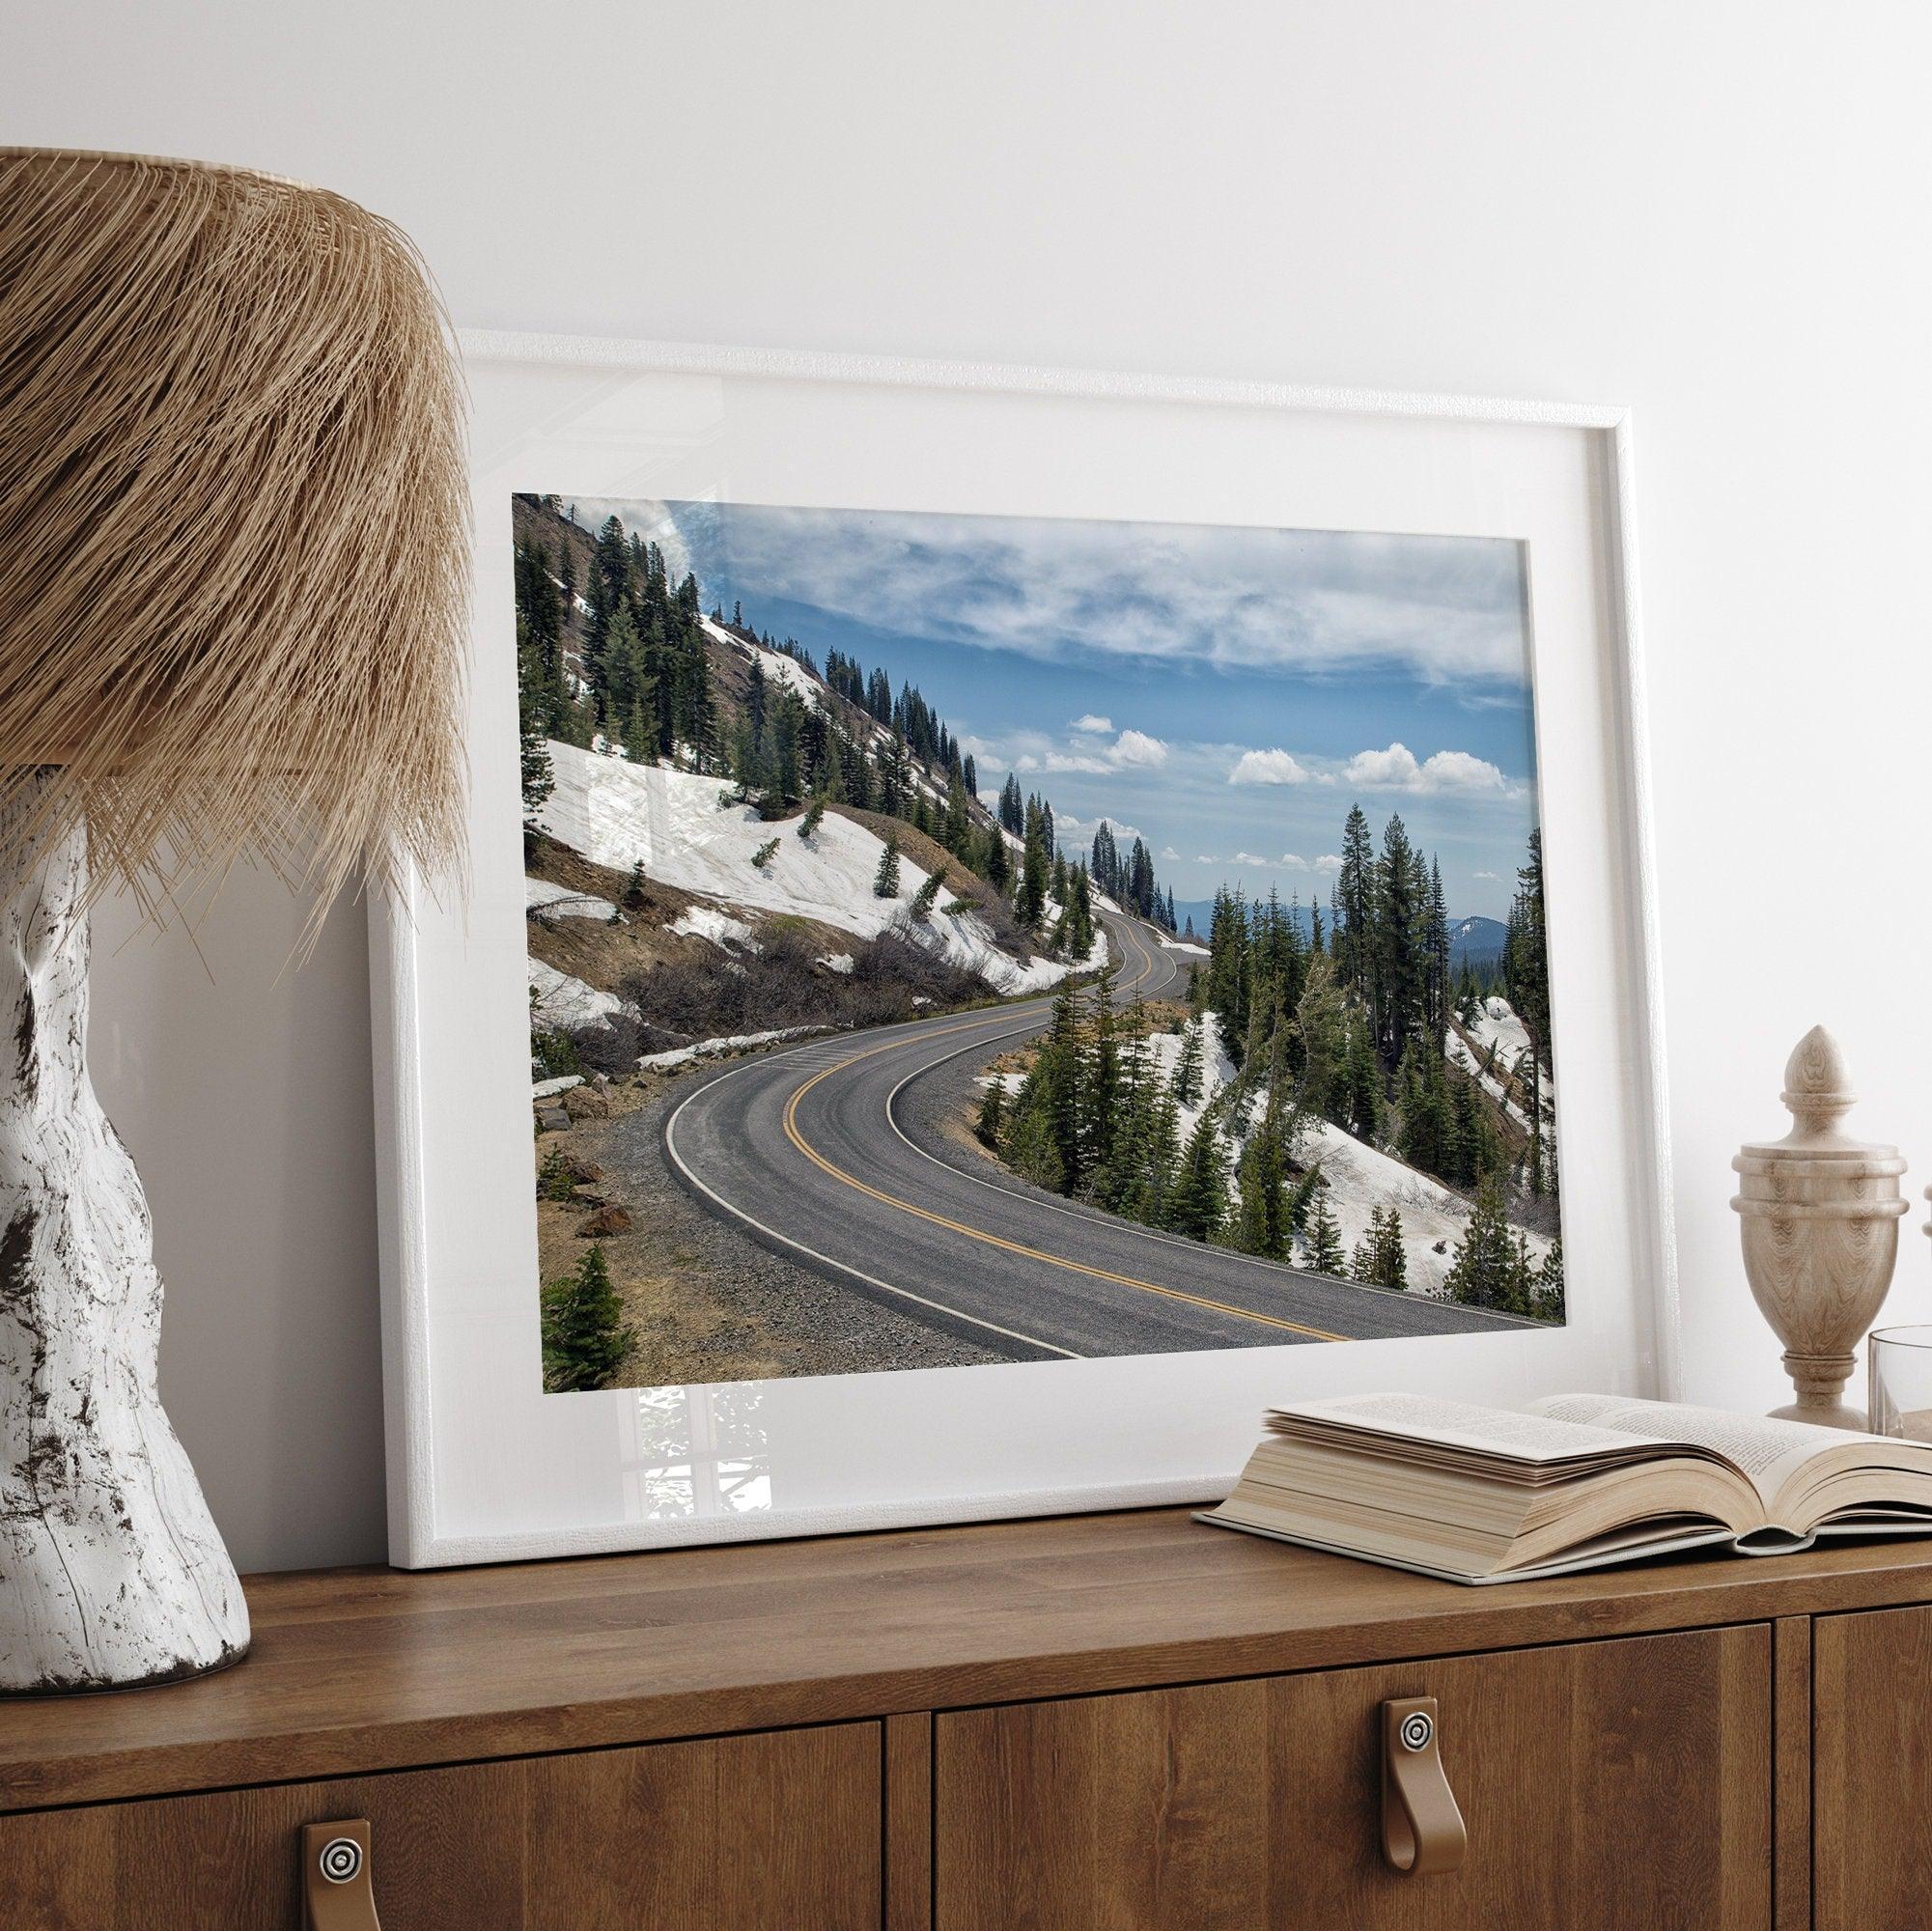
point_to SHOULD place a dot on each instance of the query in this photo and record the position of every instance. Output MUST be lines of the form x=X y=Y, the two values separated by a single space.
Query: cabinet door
x=744 y=1834
x=1871 y=1770
x=1604 y=1786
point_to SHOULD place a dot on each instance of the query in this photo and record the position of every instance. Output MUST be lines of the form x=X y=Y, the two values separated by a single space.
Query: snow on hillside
x=1497 y=1029
x=1361 y=1178
x=617 y=814
x=1163 y=1052
x=547 y=901
x=719 y=926
x=563 y=1004
x=778 y=668
x=1456 y=1050
x=1496 y=1025
x=1358 y=1178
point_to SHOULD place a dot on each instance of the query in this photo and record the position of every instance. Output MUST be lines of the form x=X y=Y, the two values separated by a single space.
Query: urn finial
x=1817 y=1087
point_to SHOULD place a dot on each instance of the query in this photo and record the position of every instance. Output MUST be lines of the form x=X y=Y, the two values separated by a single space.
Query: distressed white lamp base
x=111 y=1571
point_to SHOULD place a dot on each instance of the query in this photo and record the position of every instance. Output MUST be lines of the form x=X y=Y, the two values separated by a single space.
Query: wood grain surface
x=756 y=1833
x=1613 y=1786
x=355 y=1672
x=1872 y=1771
x=1791 y=1755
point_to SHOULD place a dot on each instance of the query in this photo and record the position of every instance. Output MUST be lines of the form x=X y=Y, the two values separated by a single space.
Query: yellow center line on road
x=838 y=1173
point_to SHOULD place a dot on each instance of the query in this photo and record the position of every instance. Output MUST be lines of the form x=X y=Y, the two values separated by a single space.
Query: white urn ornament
x=234 y=567
x=1820 y=1213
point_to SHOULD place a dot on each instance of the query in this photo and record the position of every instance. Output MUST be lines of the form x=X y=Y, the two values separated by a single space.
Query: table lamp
x=234 y=567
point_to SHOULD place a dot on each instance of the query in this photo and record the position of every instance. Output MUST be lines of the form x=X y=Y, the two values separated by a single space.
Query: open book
x=1491 y=1495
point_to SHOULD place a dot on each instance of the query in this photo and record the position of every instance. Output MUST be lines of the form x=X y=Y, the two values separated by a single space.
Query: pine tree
x=1100 y=1080
x=1197 y=1205
x=764 y=855
x=1362 y=1104
x=1188 y=1068
x=1325 y=1253
x=957 y=835
x=814 y=816
x=536 y=776
x=886 y=881
x=586 y=1337
x=1354 y=905
x=1378 y=1259
x=1546 y=1294
x=1263 y=1225
x=1397 y=987
x=1029 y=904
x=996 y=863
x=1486 y=1270
x=1079 y=915
x=1057 y=1072
x=1106 y=861
x=636 y=898
x=992 y=1112
x=1012 y=813
x=1322 y=1028
x=927 y=897
x=1435 y=956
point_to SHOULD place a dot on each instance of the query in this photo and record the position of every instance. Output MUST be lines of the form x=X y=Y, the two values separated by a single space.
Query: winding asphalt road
x=810 y=1152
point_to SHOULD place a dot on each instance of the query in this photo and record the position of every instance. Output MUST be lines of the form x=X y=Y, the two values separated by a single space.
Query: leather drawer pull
x=336 y=1891
x=1422 y=1828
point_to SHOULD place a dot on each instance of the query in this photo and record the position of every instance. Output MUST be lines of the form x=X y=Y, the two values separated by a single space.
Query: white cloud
x=1206 y=859
x=1461 y=771
x=1097 y=726
x=1247 y=858
x=1040 y=752
x=1132 y=750
x=1397 y=769
x=1292 y=861
x=1136 y=747
x=1328 y=861
x=1448 y=609
x=1494 y=876
x=1066 y=825
x=1171 y=855
x=1268 y=768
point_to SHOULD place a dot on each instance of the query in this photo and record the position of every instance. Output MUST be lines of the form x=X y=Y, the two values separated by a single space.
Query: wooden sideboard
x=1115 y=1721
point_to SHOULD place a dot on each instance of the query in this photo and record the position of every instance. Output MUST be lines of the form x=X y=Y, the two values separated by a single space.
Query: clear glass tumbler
x=1901 y=1382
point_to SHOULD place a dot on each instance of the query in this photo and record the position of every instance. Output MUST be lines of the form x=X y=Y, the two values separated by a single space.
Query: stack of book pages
x=1493 y=1494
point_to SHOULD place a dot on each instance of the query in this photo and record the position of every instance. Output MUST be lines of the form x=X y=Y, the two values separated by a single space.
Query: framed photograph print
x=1017 y=918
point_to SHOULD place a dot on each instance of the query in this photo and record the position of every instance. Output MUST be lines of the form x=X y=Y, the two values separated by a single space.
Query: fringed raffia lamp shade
x=233 y=577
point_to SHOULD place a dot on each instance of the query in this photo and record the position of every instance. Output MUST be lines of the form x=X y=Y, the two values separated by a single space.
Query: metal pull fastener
x=336 y=1891
x=1422 y=1828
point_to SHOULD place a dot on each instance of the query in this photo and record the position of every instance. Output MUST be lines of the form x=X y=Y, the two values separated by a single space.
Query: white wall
x=1716 y=213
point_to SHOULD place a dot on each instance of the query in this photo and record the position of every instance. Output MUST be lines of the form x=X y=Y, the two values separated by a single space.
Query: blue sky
x=1226 y=693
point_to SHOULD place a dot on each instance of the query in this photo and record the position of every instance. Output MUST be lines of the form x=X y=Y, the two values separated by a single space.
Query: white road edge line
x=1509 y=1322
x=825 y=1260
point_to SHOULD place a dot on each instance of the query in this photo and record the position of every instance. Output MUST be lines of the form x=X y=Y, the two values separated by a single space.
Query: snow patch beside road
x=706 y=1049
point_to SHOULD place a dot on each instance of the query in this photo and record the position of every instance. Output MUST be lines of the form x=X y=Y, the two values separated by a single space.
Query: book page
x=1524 y=1437
x=1765 y=1451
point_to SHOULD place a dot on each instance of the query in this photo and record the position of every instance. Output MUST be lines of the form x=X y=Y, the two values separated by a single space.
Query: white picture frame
x=483 y=1466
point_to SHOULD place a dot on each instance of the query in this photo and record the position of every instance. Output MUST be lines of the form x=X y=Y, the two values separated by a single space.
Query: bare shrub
x=785 y=984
